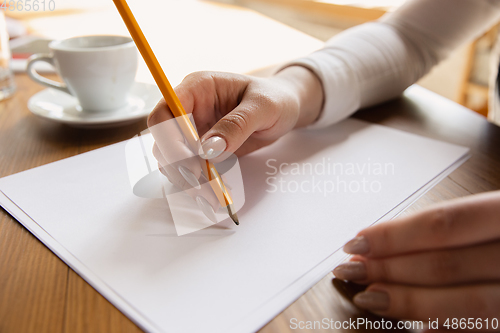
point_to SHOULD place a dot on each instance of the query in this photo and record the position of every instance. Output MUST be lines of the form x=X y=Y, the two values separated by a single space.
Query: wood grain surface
x=40 y=293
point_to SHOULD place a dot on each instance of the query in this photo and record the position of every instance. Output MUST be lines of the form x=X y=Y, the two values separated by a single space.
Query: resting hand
x=233 y=114
x=441 y=263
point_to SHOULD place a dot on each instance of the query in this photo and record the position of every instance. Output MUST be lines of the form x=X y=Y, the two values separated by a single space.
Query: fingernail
x=212 y=147
x=353 y=270
x=206 y=208
x=357 y=245
x=189 y=177
x=372 y=300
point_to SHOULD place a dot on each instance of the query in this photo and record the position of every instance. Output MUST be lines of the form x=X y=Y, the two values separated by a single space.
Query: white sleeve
x=377 y=61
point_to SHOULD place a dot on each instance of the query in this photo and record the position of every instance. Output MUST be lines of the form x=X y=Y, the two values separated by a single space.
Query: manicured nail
x=189 y=177
x=212 y=147
x=372 y=300
x=352 y=270
x=206 y=208
x=357 y=245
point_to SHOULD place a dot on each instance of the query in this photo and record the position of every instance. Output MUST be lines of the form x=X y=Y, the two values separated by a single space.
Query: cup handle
x=40 y=79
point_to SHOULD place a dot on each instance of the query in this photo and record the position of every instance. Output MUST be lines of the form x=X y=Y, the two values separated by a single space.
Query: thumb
x=231 y=131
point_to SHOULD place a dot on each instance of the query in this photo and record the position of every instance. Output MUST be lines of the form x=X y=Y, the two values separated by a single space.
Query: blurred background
x=462 y=78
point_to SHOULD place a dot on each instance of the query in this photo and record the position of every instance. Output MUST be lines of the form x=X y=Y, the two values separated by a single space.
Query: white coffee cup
x=98 y=70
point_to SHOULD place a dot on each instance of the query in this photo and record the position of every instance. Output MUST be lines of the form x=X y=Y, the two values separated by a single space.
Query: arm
x=377 y=61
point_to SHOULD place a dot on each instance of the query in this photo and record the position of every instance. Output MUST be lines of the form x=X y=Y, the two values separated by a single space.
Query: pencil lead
x=232 y=214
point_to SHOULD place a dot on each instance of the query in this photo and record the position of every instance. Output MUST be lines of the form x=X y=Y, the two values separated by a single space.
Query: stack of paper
x=306 y=195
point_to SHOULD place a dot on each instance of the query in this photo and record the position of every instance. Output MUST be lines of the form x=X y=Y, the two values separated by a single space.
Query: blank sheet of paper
x=306 y=195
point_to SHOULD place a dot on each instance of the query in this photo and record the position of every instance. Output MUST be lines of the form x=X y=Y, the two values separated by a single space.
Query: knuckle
x=153 y=117
x=383 y=270
x=196 y=86
x=236 y=121
x=159 y=114
x=267 y=101
x=441 y=224
x=445 y=266
x=384 y=241
x=198 y=77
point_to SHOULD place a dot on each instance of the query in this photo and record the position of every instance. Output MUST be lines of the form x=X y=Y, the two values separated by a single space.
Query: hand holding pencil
x=184 y=123
x=233 y=113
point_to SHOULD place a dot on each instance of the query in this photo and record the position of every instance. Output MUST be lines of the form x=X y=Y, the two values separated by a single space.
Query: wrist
x=307 y=87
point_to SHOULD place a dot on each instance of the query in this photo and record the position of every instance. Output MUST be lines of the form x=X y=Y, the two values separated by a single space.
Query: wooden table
x=40 y=293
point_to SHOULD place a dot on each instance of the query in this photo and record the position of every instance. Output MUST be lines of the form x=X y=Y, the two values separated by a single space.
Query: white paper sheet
x=224 y=278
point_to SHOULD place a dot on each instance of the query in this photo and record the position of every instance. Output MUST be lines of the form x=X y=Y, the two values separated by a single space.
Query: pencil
x=175 y=106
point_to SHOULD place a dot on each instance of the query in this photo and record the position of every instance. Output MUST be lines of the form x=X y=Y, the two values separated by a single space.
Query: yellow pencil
x=175 y=105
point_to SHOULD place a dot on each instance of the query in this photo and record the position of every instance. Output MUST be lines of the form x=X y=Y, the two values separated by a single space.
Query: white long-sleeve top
x=377 y=61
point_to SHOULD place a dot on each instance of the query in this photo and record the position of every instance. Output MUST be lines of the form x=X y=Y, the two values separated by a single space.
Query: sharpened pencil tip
x=232 y=214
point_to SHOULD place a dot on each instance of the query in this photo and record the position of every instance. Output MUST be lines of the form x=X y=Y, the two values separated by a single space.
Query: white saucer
x=60 y=107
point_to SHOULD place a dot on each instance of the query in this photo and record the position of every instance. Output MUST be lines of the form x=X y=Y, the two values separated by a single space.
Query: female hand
x=233 y=114
x=440 y=263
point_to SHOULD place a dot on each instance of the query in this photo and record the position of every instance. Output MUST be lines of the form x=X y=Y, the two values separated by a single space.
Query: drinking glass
x=7 y=84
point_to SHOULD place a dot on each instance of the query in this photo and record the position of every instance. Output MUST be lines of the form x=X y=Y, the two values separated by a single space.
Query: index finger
x=466 y=221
